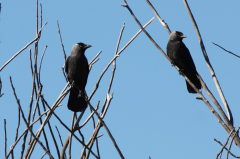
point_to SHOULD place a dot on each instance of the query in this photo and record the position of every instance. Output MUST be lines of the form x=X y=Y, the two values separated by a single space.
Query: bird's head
x=79 y=47
x=176 y=35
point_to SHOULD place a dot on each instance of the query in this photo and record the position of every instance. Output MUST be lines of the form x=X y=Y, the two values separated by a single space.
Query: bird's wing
x=187 y=57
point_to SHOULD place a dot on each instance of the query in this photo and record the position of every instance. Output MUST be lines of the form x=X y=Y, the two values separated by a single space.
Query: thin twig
x=5 y=131
x=60 y=139
x=164 y=24
x=95 y=57
x=18 y=124
x=41 y=61
x=226 y=50
x=70 y=139
x=43 y=155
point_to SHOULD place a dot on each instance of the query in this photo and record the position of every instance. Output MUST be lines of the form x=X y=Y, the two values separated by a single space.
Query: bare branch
x=164 y=24
x=230 y=118
x=226 y=50
x=5 y=131
x=70 y=138
x=41 y=61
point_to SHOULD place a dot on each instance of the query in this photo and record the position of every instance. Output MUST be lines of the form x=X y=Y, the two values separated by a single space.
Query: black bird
x=77 y=70
x=180 y=55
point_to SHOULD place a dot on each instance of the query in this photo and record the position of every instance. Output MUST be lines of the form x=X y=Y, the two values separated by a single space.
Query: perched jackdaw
x=179 y=53
x=77 y=70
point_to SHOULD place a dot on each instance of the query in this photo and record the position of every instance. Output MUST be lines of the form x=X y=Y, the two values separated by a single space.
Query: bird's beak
x=88 y=46
x=183 y=36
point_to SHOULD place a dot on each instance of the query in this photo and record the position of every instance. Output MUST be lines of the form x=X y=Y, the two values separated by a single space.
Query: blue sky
x=151 y=113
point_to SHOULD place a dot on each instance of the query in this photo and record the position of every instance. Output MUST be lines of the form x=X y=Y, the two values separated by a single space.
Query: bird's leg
x=181 y=71
x=80 y=93
x=173 y=63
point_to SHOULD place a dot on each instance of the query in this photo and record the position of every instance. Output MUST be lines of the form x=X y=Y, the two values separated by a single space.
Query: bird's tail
x=76 y=103
x=193 y=78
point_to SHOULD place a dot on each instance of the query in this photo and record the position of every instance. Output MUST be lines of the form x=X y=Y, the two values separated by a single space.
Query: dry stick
x=220 y=152
x=18 y=124
x=43 y=155
x=60 y=139
x=18 y=102
x=59 y=135
x=41 y=61
x=232 y=141
x=64 y=54
x=79 y=129
x=99 y=136
x=226 y=50
x=118 y=54
x=90 y=66
x=227 y=149
x=159 y=18
x=83 y=140
x=44 y=134
x=1 y=87
x=230 y=118
x=94 y=128
x=70 y=138
x=93 y=60
x=23 y=48
x=90 y=63
x=5 y=137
